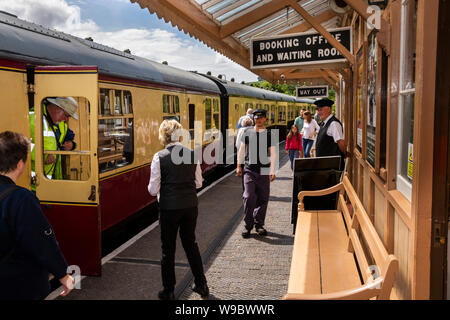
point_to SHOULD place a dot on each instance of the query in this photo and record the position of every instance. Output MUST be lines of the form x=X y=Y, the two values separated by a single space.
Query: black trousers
x=185 y=220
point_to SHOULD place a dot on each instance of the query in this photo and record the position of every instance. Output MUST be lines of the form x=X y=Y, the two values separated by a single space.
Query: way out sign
x=298 y=49
x=312 y=92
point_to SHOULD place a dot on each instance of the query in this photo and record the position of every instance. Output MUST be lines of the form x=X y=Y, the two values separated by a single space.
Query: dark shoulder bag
x=3 y=195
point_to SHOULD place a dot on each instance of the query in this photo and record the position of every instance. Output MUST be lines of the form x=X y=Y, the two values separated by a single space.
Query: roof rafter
x=323 y=31
x=252 y=17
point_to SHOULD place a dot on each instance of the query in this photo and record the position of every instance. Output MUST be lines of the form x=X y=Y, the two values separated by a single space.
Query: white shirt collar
x=326 y=120
x=172 y=144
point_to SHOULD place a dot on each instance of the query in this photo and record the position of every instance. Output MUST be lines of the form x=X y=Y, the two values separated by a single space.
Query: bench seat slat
x=305 y=266
x=338 y=266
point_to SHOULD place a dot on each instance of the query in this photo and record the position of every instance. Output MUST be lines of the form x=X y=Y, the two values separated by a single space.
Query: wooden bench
x=338 y=254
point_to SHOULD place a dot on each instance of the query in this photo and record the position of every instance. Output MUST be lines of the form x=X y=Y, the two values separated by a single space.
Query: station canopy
x=228 y=26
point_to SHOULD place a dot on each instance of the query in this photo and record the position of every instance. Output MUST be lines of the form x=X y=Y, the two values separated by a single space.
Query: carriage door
x=66 y=179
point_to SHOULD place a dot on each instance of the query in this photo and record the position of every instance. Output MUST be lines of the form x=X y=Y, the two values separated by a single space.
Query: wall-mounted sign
x=298 y=49
x=312 y=92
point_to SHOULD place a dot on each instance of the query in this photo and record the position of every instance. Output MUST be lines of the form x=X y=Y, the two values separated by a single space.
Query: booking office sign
x=298 y=49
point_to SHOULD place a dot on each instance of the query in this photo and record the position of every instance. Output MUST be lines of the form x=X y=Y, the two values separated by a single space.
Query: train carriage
x=122 y=100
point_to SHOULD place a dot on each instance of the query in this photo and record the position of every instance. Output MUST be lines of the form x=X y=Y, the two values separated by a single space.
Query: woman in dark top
x=174 y=178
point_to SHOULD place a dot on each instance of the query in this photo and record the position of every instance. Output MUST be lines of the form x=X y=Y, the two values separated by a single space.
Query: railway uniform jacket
x=24 y=275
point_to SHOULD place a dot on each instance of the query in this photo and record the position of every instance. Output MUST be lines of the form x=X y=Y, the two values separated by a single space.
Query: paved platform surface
x=236 y=268
x=256 y=268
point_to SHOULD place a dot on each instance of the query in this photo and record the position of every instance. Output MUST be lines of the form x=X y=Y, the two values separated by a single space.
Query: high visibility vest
x=53 y=170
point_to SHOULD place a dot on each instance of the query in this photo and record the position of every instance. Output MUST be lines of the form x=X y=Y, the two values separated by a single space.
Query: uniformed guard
x=56 y=134
x=330 y=139
x=258 y=146
x=28 y=247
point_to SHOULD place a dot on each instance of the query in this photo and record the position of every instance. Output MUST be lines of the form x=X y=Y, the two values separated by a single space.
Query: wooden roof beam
x=362 y=8
x=350 y=57
x=305 y=26
x=252 y=17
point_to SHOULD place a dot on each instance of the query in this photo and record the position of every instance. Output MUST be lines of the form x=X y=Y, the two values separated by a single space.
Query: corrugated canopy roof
x=228 y=26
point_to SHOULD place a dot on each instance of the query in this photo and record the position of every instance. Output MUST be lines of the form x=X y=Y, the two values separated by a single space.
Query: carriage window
x=216 y=114
x=104 y=101
x=117 y=102
x=171 y=107
x=248 y=105
x=272 y=113
x=66 y=142
x=208 y=114
x=115 y=134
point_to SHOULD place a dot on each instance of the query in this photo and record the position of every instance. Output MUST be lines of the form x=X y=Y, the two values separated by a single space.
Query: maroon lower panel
x=77 y=230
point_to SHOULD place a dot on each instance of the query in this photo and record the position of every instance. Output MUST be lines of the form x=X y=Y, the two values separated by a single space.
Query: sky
x=124 y=25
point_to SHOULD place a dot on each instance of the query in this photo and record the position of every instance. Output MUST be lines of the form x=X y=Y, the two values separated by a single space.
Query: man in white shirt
x=330 y=139
x=248 y=115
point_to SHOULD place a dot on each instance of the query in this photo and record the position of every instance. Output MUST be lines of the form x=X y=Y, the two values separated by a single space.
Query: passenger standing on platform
x=259 y=149
x=310 y=130
x=299 y=121
x=28 y=247
x=294 y=145
x=249 y=114
x=174 y=178
x=330 y=139
x=247 y=123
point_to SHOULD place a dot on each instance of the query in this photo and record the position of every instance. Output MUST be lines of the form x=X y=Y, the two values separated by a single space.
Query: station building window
x=171 y=107
x=115 y=129
x=406 y=97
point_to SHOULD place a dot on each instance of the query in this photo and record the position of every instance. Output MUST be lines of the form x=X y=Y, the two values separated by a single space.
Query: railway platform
x=256 y=268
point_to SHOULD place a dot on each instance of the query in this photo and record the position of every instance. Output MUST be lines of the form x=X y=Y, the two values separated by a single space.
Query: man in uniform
x=330 y=139
x=258 y=146
x=56 y=134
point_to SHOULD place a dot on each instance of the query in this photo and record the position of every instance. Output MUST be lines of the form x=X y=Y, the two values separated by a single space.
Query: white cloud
x=154 y=44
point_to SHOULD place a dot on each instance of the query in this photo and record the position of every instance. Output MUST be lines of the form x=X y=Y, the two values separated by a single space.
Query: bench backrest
x=359 y=223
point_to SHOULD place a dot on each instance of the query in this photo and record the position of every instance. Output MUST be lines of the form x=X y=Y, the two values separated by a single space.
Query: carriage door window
x=66 y=142
x=272 y=113
x=406 y=97
x=115 y=130
x=191 y=120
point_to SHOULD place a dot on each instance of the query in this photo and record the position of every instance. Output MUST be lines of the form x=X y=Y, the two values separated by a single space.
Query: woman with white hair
x=174 y=178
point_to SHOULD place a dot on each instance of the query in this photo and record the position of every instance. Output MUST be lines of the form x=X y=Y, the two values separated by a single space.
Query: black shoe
x=203 y=290
x=166 y=294
x=246 y=233
x=261 y=231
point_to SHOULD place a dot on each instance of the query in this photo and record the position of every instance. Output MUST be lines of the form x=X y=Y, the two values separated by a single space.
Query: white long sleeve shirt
x=155 y=174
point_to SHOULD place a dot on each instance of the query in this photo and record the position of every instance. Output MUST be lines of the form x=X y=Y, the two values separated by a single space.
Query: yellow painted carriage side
x=14 y=109
x=282 y=107
x=148 y=115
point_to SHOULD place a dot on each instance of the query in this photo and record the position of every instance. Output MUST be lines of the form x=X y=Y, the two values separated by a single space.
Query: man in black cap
x=258 y=146
x=330 y=139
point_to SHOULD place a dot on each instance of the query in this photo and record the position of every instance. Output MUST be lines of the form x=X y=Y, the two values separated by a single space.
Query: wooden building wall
x=401 y=218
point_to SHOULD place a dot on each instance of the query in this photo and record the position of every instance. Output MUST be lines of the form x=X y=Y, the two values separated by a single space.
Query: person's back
x=177 y=180
x=28 y=247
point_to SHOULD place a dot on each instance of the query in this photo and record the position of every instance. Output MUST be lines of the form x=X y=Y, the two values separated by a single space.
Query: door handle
x=92 y=197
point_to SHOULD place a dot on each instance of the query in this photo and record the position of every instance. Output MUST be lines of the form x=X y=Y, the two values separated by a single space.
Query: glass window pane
x=208 y=113
x=115 y=143
x=127 y=102
x=409 y=23
x=104 y=102
x=407 y=135
x=117 y=102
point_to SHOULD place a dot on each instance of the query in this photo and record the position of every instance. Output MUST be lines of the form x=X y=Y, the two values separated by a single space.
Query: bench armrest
x=317 y=193
x=364 y=292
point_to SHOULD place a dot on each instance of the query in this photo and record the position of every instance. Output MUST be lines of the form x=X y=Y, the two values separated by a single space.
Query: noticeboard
x=298 y=49
x=312 y=92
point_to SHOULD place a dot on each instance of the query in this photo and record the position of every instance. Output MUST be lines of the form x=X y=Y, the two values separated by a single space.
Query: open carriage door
x=66 y=181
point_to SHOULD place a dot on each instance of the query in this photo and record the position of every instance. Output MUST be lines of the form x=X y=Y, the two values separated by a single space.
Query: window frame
x=402 y=183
